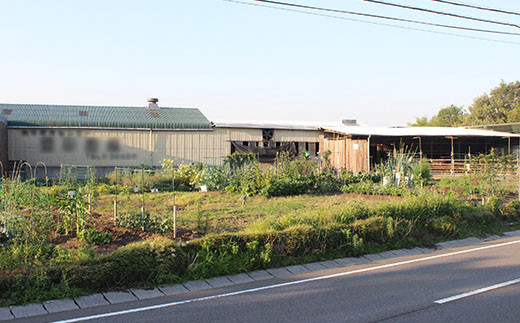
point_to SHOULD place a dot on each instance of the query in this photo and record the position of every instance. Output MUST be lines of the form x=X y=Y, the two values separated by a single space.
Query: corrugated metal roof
x=506 y=127
x=287 y=125
x=103 y=116
x=364 y=130
x=418 y=131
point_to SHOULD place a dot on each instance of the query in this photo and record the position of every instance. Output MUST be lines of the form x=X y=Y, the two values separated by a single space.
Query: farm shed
x=107 y=136
x=267 y=138
x=110 y=136
x=358 y=148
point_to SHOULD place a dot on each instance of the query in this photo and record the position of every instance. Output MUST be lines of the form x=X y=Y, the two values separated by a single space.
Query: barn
x=107 y=136
x=115 y=136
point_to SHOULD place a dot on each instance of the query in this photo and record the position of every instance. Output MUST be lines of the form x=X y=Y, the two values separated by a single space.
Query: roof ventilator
x=349 y=122
x=152 y=103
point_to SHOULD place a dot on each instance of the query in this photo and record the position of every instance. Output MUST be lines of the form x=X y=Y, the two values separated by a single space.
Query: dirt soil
x=121 y=236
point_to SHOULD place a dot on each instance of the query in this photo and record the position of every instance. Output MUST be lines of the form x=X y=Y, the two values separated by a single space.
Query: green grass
x=260 y=233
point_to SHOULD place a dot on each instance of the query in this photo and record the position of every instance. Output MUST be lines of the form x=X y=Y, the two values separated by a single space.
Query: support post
x=452 y=158
x=420 y=148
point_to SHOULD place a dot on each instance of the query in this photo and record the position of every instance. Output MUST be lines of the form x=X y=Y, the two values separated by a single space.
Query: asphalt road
x=397 y=290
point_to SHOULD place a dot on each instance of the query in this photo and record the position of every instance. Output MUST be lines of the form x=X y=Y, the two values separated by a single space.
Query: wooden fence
x=443 y=167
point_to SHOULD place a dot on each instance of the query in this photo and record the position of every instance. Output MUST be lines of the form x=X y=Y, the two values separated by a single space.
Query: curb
x=99 y=299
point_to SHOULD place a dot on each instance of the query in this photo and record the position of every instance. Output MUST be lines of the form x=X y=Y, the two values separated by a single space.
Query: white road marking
x=477 y=291
x=296 y=282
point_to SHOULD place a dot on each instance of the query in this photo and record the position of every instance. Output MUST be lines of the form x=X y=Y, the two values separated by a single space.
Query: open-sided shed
x=358 y=148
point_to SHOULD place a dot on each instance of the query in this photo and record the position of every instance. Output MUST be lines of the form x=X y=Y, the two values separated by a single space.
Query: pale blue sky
x=239 y=62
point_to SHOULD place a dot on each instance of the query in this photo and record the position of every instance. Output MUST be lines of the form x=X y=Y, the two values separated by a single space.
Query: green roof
x=39 y=115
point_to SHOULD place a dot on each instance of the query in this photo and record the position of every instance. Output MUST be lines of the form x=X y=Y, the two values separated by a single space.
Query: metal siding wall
x=296 y=135
x=133 y=147
x=208 y=147
x=4 y=145
x=243 y=134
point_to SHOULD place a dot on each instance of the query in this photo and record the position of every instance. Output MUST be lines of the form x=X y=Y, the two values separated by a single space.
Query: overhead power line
x=294 y=5
x=478 y=7
x=370 y=22
x=443 y=13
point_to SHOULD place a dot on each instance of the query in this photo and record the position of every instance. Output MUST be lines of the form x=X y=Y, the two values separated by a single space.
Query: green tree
x=451 y=116
x=502 y=105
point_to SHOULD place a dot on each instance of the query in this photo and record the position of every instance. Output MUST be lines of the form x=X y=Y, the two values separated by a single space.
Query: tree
x=451 y=116
x=502 y=105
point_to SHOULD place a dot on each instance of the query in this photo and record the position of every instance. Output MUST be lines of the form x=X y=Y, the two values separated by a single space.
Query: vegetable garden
x=144 y=227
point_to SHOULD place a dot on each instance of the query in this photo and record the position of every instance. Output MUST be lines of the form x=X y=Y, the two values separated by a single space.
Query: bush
x=154 y=261
x=371 y=188
x=94 y=236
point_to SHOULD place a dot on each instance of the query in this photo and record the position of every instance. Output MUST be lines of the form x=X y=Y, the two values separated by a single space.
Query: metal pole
x=151 y=149
x=115 y=212
x=115 y=200
x=142 y=190
x=174 y=222
x=452 y=158
x=174 y=206
x=469 y=172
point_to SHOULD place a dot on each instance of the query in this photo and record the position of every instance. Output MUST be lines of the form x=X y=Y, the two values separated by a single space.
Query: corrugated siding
x=125 y=148
x=4 y=156
x=296 y=135
x=103 y=116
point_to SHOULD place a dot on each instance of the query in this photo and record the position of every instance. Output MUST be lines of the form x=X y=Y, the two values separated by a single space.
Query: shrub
x=94 y=236
x=152 y=261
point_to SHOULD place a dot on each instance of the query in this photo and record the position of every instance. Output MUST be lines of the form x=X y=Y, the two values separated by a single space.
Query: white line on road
x=296 y=282
x=477 y=291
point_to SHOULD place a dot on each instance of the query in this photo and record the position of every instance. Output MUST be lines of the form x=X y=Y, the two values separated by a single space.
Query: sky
x=241 y=62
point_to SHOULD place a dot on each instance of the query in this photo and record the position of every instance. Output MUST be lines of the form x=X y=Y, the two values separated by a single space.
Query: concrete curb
x=54 y=306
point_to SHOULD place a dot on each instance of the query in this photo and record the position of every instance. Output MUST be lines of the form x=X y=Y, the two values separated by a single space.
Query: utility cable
x=294 y=5
x=371 y=22
x=478 y=7
x=443 y=13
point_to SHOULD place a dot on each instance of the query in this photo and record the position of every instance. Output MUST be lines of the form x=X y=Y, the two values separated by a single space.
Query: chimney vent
x=152 y=103
x=349 y=122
